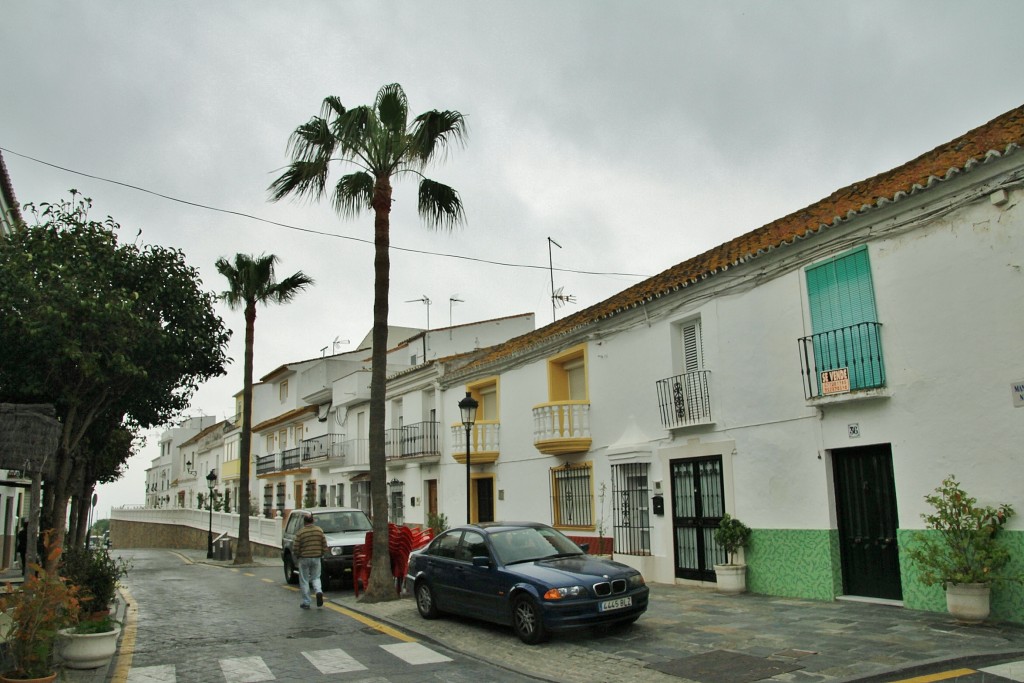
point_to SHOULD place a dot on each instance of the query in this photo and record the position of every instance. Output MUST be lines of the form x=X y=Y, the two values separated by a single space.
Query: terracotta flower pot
x=45 y=679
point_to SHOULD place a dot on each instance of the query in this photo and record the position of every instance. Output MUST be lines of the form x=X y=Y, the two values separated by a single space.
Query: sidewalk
x=697 y=634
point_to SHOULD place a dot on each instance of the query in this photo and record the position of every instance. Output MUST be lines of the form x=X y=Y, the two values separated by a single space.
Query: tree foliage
x=122 y=333
x=380 y=142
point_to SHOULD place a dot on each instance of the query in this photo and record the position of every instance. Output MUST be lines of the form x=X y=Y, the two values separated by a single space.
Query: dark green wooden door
x=868 y=519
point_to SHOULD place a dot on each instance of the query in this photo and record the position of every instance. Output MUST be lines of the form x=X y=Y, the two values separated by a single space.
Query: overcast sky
x=635 y=134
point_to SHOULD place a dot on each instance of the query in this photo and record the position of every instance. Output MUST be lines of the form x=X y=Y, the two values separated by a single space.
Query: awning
x=365 y=476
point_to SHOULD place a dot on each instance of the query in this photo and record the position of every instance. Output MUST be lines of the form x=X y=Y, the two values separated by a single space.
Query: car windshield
x=337 y=522
x=528 y=543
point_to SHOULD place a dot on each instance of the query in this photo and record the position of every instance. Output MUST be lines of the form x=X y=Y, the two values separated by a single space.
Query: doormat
x=720 y=666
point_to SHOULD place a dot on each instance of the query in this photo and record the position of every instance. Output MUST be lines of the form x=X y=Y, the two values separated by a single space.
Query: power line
x=309 y=230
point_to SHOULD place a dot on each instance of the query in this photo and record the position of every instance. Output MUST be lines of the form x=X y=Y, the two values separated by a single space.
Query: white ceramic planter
x=731 y=578
x=968 y=602
x=88 y=650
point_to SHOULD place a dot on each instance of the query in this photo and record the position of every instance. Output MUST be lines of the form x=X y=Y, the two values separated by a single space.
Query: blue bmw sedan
x=523 y=574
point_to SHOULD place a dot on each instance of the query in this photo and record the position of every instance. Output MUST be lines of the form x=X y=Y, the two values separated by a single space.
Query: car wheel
x=527 y=622
x=425 y=601
x=290 y=575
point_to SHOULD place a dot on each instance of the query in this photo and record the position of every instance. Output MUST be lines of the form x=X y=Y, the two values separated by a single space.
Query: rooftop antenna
x=453 y=299
x=557 y=298
x=336 y=343
x=426 y=300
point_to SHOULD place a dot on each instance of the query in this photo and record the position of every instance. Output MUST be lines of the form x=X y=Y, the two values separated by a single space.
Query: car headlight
x=337 y=550
x=562 y=593
x=636 y=581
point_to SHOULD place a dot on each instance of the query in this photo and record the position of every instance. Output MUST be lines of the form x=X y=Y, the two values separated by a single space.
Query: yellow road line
x=372 y=623
x=127 y=646
x=943 y=676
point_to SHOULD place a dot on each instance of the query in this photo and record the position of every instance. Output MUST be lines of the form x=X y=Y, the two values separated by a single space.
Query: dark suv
x=345 y=528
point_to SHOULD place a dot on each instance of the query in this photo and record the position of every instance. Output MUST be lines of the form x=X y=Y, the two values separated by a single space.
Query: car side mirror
x=481 y=561
x=585 y=547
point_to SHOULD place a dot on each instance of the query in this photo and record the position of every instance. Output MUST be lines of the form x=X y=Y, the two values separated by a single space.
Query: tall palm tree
x=381 y=143
x=251 y=281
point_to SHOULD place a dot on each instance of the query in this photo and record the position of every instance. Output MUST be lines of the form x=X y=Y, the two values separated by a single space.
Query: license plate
x=618 y=603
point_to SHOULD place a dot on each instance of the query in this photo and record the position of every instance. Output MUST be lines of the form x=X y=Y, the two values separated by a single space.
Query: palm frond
x=353 y=193
x=432 y=131
x=285 y=290
x=312 y=141
x=392 y=108
x=301 y=178
x=353 y=128
x=332 y=107
x=440 y=204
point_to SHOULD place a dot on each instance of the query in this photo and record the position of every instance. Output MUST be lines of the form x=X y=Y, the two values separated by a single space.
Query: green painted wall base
x=805 y=563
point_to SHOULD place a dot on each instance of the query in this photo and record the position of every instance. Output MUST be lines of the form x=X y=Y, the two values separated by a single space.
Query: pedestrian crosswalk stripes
x=245 y=670
x=255 y=669
x=335 y=661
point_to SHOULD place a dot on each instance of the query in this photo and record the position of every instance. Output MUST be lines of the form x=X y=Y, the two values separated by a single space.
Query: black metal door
x=867 y=516
x=698 y=503
x=484 y=499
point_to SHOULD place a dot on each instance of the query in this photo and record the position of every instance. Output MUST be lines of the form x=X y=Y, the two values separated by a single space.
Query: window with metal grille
x=397 y=508
x=268 y=500
x=572 y=495
x=631 y=508
x=280 y=497
x=361 y=495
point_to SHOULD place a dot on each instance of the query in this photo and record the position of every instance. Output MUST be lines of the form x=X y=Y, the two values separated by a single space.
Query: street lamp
x=468 y=408
x=211 y=481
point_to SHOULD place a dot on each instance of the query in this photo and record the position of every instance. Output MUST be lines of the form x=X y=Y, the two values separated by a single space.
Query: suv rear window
x=337 y=522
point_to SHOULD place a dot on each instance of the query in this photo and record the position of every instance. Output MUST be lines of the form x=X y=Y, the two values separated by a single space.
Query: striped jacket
x=309 y=542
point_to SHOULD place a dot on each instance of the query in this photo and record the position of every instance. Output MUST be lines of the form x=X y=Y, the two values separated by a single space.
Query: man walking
x=309 y=546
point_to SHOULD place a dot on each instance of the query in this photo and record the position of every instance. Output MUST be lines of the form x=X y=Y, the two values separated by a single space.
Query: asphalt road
x=195 y=622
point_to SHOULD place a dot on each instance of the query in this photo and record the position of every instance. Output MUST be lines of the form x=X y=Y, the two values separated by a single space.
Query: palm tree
x=381 y=143
x=251 y=281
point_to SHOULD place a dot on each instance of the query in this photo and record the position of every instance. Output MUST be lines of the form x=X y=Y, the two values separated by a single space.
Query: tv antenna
x=336 y=343
x=425 y=300
x=557 y=297
x=453 y=299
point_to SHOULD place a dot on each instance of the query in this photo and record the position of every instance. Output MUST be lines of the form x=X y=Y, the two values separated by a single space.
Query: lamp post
x=211 y=481
x=468 y=408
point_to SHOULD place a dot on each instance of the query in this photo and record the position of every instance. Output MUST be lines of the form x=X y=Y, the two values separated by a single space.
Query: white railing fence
x=261 y=530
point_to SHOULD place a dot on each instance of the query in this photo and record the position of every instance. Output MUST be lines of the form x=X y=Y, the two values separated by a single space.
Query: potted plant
x=731 y=534
x=44 y=604
x=959 y=551
x=96 y=574
x=90 y=644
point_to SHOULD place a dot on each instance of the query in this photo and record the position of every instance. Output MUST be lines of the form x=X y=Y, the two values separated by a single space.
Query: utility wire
x=309 y=230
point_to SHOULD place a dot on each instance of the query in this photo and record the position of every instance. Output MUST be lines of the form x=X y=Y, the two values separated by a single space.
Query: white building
x=815 y=377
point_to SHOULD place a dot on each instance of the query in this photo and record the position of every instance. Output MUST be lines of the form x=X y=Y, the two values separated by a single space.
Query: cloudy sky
x=635 y=134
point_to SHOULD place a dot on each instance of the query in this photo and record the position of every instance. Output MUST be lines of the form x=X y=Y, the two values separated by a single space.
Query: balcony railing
x=685 y=400
x=291 y=459
x=355 y=452
x=266 y=464
x=561 y=427
x=323 y=447
x=411 y=441
x=484 y=442
x=843 y=360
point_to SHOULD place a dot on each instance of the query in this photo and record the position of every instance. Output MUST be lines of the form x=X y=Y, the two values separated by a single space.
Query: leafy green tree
x=99 y=329
x=380 y=142
x=251 y=281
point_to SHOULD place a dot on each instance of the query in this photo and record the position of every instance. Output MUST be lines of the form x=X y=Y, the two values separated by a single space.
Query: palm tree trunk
x=382 y=585
x=243 y=553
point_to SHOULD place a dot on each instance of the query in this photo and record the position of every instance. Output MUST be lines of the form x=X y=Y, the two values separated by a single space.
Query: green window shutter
x=840 y=297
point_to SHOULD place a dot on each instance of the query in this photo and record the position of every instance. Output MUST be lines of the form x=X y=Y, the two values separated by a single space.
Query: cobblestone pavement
x=698 y=635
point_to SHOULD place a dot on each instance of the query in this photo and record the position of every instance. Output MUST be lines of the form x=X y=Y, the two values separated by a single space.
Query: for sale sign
x=835 y=381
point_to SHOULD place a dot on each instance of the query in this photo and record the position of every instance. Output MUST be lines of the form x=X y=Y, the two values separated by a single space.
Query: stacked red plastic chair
x=399 y=546
x=361 y=557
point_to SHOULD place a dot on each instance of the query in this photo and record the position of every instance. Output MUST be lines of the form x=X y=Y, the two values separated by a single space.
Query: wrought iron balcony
x=561 y=427
x=322 y=447
x=685 y=400
x=484 y=442
x=841 y=361
x=266 y=464
x=291 y=459
x=411 y=441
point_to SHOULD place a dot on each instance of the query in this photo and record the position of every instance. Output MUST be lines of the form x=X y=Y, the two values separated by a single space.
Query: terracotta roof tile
x=998 y=137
